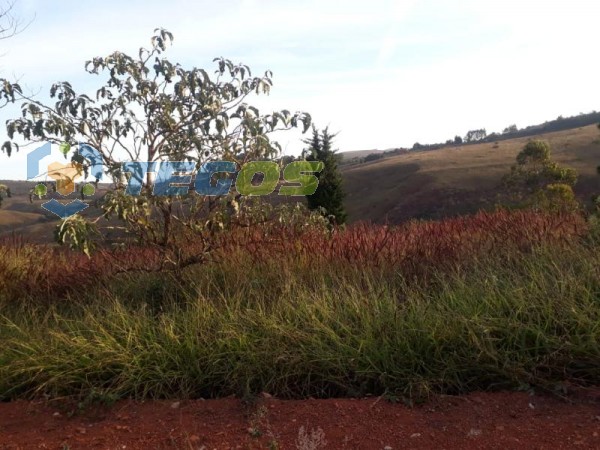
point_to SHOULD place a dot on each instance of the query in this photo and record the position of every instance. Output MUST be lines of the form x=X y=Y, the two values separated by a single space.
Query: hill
x=458 y=179
x=28 y=219
x=19 y=215
x=420 y=184
x=357 y=154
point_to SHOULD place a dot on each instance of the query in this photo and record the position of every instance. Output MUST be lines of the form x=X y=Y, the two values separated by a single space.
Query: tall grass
x=492 y=301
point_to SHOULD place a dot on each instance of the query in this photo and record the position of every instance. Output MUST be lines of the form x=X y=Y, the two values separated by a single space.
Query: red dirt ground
x=475 y=421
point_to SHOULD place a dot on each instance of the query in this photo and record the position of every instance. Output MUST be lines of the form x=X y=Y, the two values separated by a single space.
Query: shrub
x=529 y=182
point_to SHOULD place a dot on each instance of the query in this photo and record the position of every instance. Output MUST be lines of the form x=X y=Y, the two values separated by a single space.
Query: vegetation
x=454 y=181
x=373 y=157
x=329 y=195
x=151 y=109
x=539 y=182
x=475 y=135
x=283 y=302
x=559 y=124
x=501 y=300
x=4 y=192
x=9 y=26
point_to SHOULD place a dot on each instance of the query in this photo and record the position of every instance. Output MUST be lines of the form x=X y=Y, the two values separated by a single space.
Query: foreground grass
x=295 y=329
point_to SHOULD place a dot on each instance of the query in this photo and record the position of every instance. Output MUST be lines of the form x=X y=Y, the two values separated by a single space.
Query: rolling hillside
x=423 y=185
x=457 y=180
x=30 y=220
x=354 y=154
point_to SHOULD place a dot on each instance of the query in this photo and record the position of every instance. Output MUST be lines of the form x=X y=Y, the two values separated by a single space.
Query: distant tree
x=4 y=192
x=285 y=160
x=417 y=146
x=510 y=129
x=329 y=195
x=458 y=140
x=475 y=135
x=539 y=182
x=373 y=157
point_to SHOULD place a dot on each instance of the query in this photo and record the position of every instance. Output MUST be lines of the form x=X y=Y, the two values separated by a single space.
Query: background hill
x=458 y=179
x=357 y=154
x=22 y=217
x=425 y=184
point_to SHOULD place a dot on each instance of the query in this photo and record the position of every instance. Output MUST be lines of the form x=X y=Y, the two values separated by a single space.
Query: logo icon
x=65 y=177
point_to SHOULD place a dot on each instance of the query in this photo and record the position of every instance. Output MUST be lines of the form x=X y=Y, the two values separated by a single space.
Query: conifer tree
x=329 y=194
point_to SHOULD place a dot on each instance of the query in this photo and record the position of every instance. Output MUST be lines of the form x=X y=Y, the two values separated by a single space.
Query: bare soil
x=506 y=420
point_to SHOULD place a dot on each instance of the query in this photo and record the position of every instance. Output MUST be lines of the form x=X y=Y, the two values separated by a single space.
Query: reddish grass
x=415 y=245
x=412 y=249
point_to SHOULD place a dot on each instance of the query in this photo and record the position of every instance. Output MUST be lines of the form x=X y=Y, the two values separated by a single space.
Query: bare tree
x=9 y=24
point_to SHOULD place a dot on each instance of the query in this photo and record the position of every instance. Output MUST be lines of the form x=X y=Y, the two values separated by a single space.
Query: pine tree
x=329 y=194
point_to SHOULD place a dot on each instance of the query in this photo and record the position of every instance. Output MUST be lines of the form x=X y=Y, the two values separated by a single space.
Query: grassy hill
x=458 y=180
x=22 y=217
x=28 y=219
x=426 y=184
x=356 y=154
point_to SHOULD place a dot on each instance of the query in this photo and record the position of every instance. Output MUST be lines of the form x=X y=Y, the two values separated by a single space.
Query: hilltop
x=460 y=179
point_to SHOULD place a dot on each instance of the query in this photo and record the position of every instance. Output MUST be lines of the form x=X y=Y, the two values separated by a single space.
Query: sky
x=381 y=73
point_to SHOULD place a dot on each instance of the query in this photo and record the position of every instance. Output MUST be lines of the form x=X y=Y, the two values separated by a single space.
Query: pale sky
x=382 y=73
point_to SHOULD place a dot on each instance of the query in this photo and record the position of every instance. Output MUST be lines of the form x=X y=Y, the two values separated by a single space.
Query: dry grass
x=458 y=180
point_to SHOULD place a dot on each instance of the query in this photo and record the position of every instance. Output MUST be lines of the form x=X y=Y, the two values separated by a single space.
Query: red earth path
x=509 y=420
